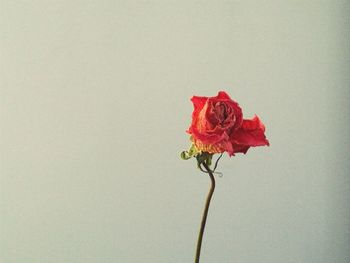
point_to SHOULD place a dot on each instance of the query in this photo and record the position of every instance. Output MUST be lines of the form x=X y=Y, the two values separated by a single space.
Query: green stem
x=205 y=213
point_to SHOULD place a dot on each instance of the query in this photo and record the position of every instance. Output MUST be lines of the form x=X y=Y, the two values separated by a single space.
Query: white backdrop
x=94 y=107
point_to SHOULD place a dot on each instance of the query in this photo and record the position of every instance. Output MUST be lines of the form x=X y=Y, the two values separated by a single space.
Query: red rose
x=218 y=126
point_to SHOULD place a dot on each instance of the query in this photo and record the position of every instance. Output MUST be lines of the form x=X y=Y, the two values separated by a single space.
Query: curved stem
x=205 y=213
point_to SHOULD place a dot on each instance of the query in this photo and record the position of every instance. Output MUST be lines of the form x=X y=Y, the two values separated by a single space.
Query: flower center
x=222 y=113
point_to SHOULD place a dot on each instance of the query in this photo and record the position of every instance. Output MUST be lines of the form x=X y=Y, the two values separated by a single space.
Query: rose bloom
x=218 y=126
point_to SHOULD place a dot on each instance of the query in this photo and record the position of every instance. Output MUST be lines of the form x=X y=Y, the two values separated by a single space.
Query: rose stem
x=205 y=213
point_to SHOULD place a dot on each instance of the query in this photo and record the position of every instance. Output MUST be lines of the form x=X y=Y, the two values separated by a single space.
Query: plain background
x=94 y=107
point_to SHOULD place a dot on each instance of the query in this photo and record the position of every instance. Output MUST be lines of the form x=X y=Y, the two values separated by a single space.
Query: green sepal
x=204 y=157
x=192 y=152
x=185 y=156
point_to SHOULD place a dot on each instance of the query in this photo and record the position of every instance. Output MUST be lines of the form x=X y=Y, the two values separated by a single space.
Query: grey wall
x=94 y=107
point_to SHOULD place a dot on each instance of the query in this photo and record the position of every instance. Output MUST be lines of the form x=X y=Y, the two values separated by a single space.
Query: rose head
x=218 y=126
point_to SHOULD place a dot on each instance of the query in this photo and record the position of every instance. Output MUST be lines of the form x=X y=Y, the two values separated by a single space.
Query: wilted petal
x=251 y=133
x=223 y=95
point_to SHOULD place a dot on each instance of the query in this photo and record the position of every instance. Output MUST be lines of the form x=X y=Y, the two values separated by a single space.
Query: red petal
x=253 y=124
x=222 y=95
x=251 y=133
x=198 y=102
x=240 y=148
